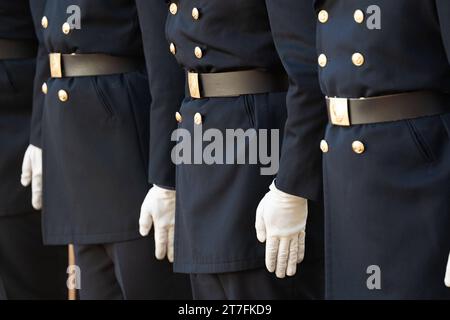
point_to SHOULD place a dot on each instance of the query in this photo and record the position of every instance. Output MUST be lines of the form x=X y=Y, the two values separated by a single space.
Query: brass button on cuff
x=323 y=16
x=63 y=95
x=358 y=147
x=198 y=120
x=358 y=59
x=178 y=117
x=172 y=48
x=195 y=14
x=66 y=28
x=324 y=146
x=198 y=52
x=358 y=16
x=322 y=60
x=44 y=88
x=44 y=22
x=173 y=8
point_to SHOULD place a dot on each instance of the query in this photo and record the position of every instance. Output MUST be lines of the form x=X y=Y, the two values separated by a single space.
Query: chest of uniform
x=68 y=25
x=355 y=32
x=216 y=17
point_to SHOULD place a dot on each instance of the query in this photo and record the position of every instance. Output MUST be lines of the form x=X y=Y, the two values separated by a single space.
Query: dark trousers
x=128 y=271
x=28 y=269
x=256 y=284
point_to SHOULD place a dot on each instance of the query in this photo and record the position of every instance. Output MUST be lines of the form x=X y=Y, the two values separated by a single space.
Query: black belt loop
x=84 y=65
x=347 y=112
x=17 y=49
x=235 y=83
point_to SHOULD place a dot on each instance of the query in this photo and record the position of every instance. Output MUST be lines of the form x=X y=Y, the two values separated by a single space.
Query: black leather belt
x=85 y=65
x=17 y=49
x=347 y=112
x=228 y=84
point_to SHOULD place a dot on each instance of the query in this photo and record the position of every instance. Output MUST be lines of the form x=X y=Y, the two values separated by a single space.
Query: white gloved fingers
x=293 y=257
x=145 y=222
x=170 y=244
x=36 y=200
x=271 y=253
x=27 y=171
x=447 y=274
x=161 y=240
x=36 y=192
x=301 y=247
x=260 y=225
x=282 y=257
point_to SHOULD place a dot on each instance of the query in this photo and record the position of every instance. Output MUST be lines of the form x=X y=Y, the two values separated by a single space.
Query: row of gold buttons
x=357 y=146
x=65 y=27
x=198 y=119
x=173 y=8
x=358 y=15
x=62 y=94
x=357 y=58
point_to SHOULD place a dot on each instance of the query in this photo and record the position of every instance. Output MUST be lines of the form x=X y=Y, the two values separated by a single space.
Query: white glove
x=32 y=173
x=159 y=209
x=447 y=274
x=281 y=220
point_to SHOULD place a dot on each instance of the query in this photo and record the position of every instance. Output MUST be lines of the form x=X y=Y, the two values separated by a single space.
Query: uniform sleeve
x=42 y=75
x=166 y=80
x=293 y=27
x=443 y=9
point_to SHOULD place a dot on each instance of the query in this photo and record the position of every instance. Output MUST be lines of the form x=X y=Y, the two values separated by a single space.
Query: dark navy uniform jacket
x=216 y=204
x=388 y=206
x=95 y=144
x=16 y=81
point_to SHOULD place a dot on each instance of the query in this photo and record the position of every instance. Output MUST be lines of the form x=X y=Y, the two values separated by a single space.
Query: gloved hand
x=281 y=221
x=447 y=274
x=159 y=209
x=32 y=173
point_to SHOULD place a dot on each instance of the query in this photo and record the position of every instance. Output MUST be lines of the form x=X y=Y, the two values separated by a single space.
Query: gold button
x=198 y=52
x=66 y=28
x=322 y=60
x=324 y=146
x=195 y=14
x=358 y=147
x=44 y=22
x=178 y=117
x=323 y=16
x=63 y=96
x=173 y=8
x=173 y=49
x=358 y=16
x=358 y=59
x=44 y=88
x=198 y=119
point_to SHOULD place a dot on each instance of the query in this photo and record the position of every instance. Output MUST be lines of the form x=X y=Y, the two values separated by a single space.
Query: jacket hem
x=219 y=267
x=85 y=239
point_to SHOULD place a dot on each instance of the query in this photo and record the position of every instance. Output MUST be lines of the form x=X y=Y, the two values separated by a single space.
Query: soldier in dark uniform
x=94 y=136
x=235 y=81
x=385 y=68
x=28 y=270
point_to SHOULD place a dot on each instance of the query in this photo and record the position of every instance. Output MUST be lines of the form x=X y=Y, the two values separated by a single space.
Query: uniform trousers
x=28 y=269
x=128 y=271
